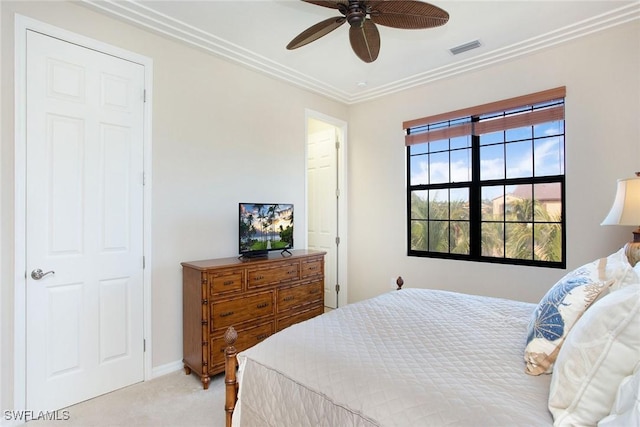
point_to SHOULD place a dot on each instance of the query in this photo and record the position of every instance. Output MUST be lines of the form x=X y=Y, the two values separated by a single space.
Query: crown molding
x=136 y=13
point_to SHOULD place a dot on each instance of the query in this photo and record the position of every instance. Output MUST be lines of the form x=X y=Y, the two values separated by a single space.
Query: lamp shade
x=626 y=206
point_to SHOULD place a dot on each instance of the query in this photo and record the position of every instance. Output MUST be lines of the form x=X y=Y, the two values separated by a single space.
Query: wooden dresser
x=258 y=297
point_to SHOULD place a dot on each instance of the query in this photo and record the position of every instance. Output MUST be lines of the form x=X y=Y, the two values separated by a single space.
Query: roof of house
x=542 y=191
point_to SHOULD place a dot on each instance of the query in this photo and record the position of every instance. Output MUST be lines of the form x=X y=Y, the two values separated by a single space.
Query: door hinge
x=337 y=287
x=144 y=262
x=144 y=179
x=337 y=193
x=144 y=346
x=337 y=145
x=337 y=240
x=144 y=96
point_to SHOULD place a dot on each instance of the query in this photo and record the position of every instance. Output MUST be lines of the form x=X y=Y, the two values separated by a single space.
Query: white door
x=84 y=331
x=322 y=181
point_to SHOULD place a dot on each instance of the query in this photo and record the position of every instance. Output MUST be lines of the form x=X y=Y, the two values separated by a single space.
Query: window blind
x=450 y=125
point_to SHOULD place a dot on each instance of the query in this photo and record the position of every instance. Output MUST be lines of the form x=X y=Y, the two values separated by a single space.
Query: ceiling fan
x=363 y=15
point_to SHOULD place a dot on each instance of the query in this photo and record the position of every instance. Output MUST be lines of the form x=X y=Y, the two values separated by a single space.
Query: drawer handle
x=226 y=314
x=258 y=278
x=262 y=336
x=262 y=305
x=292 y=272
x=314 y=291
x=228 y=282
x=315 y=267
x=289 y=298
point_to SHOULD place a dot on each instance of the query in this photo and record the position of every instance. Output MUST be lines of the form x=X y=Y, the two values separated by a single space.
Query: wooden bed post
x=230 y=366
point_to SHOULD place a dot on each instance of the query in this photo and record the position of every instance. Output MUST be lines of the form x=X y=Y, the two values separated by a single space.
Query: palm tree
x=534 y=232
x=419 y=224
x=439 y=226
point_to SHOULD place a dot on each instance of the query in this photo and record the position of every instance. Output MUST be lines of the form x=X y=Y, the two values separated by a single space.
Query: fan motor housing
x=356 y=13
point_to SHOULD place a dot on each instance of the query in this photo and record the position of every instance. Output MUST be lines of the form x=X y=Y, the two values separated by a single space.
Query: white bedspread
x=407 y=358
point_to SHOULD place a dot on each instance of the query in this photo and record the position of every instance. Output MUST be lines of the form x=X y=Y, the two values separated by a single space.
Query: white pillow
x=626 y=407
x=620 y=270
x=602 y=349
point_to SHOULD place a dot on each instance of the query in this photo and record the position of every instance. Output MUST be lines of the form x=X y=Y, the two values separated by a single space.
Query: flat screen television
x=265 y=227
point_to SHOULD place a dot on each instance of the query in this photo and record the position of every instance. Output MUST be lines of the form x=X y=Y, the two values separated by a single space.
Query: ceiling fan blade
x=407 y=14
x=316 y=31
x=365 y=41
x=330 y=4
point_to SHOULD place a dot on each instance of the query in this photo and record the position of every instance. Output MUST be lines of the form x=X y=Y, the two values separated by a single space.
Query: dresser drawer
x=246 y=338
x=312 y=267
x=287 y=321
x=233 y=312
x=270 y=275
x=305 y=293
x=226 y=281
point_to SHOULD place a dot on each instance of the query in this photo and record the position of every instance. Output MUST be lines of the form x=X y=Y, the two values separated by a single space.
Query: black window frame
x=475 y=185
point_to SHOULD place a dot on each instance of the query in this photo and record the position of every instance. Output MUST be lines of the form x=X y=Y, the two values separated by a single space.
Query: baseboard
x=168 y=368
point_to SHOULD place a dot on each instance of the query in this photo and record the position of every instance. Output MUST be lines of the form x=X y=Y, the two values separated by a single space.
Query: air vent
x=465 y=47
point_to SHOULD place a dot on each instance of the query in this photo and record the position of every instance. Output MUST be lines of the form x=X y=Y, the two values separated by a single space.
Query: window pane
x=493 y=203
x=548 y=242
x=461 y=165
x=519 y=240
x=419 y=204
x=439 y=236
x=439 y=204
x=438 y=146
x=492 y=138
x=459 y=203
x=419 y=148
x=459 y=237
x=419 y=168
x=520 y=204
x=492 y=162
x=493 y=239
x=519 y=134
x=549 y=156
x=419 y=235
x=548 y=129
x=439 y=168
x=548 y=200
x=460 y=142
x=519 y=160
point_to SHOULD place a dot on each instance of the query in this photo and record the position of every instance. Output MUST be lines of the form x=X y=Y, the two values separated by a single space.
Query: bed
x=405 y=358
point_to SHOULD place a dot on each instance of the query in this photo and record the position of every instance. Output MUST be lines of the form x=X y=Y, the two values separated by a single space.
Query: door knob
x=37 y=274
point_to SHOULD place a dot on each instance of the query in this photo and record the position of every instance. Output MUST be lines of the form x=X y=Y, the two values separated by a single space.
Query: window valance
x=479 y=120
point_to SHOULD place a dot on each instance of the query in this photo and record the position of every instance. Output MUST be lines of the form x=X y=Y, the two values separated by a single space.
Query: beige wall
x=602 y=76
x=221 y=134
x=220 y=129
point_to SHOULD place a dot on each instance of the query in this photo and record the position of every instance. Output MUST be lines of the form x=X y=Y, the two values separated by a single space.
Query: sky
x=547 y=150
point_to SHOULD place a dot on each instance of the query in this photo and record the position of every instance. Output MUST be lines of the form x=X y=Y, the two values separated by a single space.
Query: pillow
x=602 y=349
x=558 y=310
x=626 y=406
x=619 y=269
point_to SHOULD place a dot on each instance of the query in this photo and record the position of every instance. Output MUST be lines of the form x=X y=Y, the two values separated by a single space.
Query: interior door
x=323 y=202
x=84 y=225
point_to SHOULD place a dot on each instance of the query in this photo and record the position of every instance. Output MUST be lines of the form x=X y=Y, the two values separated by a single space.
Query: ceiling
x=254 y=33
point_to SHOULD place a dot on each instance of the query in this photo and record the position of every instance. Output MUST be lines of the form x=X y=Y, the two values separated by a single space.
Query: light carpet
x=174 y=399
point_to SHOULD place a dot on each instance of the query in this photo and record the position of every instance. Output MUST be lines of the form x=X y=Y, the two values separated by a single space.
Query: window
x=487 y=183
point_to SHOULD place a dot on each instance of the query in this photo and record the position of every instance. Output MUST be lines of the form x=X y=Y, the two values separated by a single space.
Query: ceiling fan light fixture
x=364 y=15
x=465 y=47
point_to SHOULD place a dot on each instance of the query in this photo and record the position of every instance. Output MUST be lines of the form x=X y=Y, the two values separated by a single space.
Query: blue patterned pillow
x=558 y=311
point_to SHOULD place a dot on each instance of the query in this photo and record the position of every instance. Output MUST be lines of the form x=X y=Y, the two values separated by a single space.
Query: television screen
x=265 y=227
